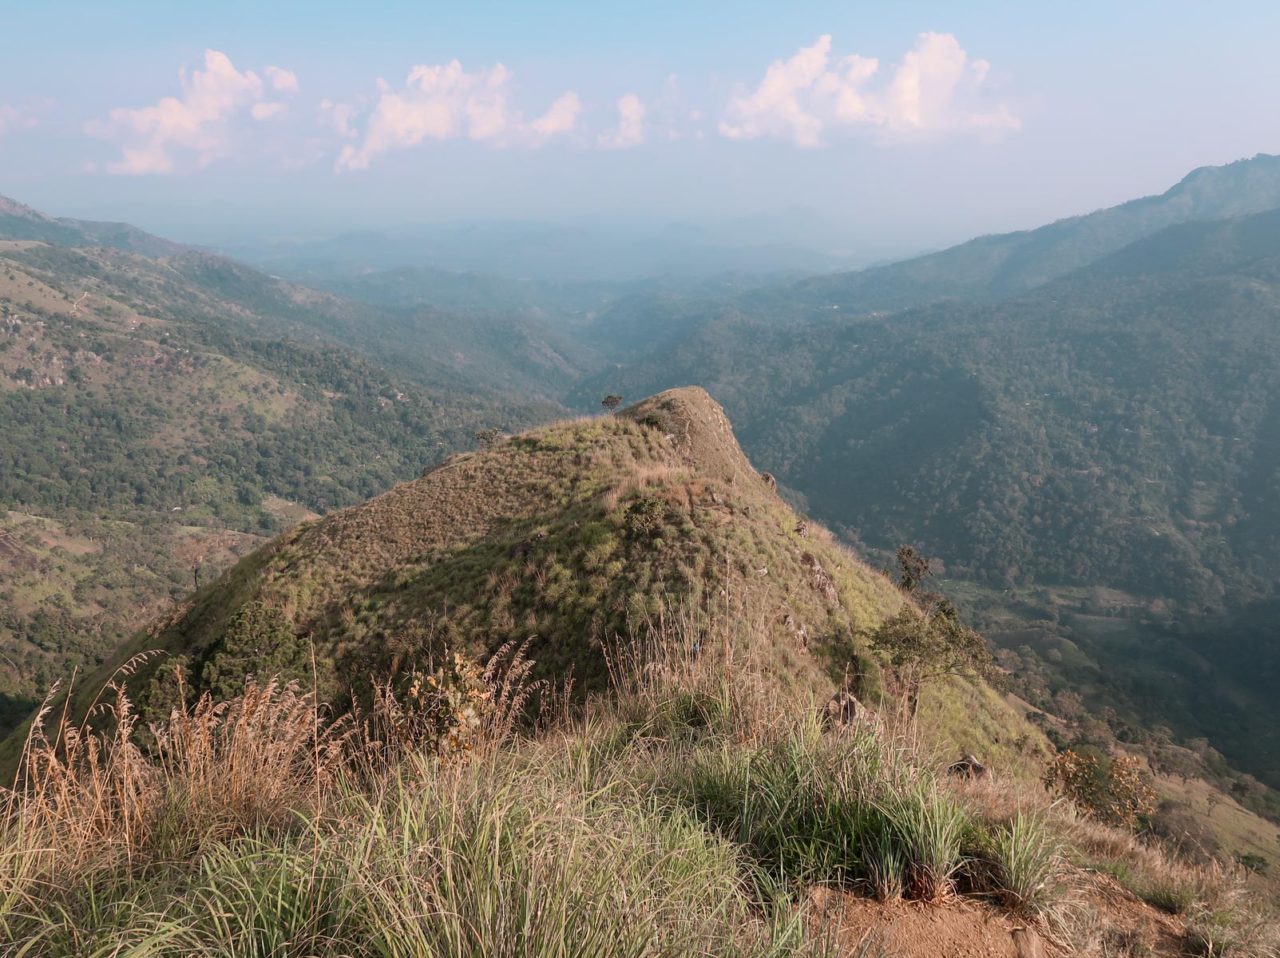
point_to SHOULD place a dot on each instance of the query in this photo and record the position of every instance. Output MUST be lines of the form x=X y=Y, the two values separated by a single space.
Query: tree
x=611 y=402
x=488 y=438
x=1112 y=789
x=924 y=644
x=925 y=639
x=913 y=569
x=258 y=641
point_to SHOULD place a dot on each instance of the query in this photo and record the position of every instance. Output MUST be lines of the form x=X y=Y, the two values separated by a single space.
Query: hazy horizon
x=909 y=130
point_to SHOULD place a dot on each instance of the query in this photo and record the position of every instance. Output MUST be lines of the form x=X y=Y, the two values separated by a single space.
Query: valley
x=1077 y=425
x=603 y=481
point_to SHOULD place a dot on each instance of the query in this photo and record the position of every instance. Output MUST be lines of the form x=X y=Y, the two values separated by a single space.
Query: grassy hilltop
x=565 y=536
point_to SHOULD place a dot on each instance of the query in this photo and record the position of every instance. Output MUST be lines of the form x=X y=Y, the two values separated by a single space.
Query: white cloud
x=266 y=110
x=12 y=119
x=630 y=129
x=338 y=116
x=198 y=124
x=777 y=107
x=444 y=102
x=937 y=87
x=282 y=80
x=561 y=116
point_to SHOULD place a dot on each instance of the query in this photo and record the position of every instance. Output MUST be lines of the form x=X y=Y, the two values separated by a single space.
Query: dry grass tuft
x=92 y=799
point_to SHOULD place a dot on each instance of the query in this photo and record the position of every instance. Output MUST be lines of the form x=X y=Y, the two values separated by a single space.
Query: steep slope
x=566 y=536
x=1114 y=429
x=161 y=416
x=1012 y=263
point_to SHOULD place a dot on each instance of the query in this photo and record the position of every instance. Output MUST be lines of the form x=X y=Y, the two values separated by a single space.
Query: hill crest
x=560 y=537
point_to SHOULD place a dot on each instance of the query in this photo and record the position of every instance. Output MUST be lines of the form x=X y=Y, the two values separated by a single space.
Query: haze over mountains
x=612 y=481
x=1079 y=421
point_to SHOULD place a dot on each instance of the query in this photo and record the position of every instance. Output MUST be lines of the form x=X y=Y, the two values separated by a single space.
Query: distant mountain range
x=1012 y=263
x=1094 y=405
x=20 y=222
x=1081 y=422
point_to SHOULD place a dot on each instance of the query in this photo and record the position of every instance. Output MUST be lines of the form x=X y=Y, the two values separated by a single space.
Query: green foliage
x=930 y=827
x=913 y=568
x=831 y=812
x=488 y=437
x=643 y=518
x=1025 y=859
x=258 y=642
x=930 y=645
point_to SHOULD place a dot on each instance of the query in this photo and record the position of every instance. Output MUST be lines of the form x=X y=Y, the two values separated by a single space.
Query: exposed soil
x=958 y=929
x=1106 y=921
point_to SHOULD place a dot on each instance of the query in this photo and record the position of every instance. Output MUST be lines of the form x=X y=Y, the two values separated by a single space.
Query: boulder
x=968 y=767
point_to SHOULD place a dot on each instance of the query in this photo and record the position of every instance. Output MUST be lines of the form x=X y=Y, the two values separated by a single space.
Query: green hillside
x=163 y=415
x=566 y=536
x=1114 y=429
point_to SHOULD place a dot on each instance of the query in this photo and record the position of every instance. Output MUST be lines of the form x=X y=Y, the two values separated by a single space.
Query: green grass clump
x=930 y=827
x=884 y=863
x=1024 y=859
x=830 y=810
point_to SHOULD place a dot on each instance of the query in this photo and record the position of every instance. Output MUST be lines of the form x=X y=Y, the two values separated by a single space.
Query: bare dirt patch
x=958 y=929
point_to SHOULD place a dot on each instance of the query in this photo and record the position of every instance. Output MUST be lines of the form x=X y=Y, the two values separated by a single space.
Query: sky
x=898 y=125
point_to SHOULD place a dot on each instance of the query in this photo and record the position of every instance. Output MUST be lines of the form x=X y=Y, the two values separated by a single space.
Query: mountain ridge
x=1008 y=263
x=22 y=222
x=570 y=533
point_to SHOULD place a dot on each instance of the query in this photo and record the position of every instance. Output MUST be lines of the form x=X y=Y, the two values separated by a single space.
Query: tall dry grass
x=93 y=799
x=686 y=812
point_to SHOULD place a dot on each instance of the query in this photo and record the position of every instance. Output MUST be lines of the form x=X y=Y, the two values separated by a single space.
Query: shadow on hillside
x=465 y=599
x=14 y=710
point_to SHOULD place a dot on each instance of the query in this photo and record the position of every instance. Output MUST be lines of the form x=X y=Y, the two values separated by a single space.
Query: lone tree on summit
x=611 y=402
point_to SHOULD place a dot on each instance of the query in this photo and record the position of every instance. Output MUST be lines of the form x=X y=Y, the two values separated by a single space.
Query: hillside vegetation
x=162 y=415
x=695 y=790
x=1096 y=454
x=561 y=537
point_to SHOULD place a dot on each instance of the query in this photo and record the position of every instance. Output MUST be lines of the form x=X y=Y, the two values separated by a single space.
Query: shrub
x=643 y=518
x=1111 y=789
x=259 y=640
x=834 y=811
x=782 y=803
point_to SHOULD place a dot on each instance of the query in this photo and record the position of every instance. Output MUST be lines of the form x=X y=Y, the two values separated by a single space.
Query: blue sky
x=904 y=124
